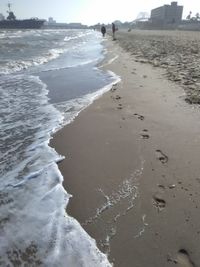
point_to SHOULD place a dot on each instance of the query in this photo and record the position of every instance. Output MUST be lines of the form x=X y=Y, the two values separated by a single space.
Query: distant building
x=51 y=21
x=2 y=17
x=167 y=14
x=75 y=25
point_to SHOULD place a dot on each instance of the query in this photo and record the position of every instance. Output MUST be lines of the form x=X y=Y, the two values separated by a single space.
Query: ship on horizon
x=12 y=23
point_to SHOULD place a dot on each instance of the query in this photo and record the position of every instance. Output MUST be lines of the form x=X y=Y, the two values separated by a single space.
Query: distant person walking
x=113 y=31
x=103 y=30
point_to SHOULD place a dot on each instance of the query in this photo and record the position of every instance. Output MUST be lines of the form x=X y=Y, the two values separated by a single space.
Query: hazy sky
x=90 y=11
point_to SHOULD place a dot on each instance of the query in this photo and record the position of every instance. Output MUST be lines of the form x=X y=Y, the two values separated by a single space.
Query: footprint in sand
x=161 y=156
x=159 y=202
x=140 y=117
x=161 y=187
x=118 y=97
x=145 y=135
x=183 y=259
x=114 y=88
x=120 y=106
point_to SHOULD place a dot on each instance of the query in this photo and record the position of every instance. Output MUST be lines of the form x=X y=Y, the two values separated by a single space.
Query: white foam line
x=128 y=189
x=87 y=100
x=113 y=59
x=48 y=203
x=64 y=243
x=66 y=39
x=141 y=232
x=72 y=66
x=110 y=61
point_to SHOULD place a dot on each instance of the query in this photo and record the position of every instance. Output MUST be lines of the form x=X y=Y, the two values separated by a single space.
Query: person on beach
x=103 y=30
x=113 y=31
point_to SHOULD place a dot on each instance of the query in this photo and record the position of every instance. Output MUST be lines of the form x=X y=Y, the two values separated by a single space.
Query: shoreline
x=128 y=161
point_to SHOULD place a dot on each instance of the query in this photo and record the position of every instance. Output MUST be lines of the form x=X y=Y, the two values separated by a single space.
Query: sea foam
x=35 y=228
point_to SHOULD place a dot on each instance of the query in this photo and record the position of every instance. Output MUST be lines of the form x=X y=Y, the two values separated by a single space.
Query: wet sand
x=132 y=166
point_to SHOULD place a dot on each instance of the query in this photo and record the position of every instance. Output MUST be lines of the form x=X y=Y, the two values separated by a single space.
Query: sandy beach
x=132 y=157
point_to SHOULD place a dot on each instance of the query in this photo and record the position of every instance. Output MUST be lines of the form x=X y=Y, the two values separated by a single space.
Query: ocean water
x=46 y=78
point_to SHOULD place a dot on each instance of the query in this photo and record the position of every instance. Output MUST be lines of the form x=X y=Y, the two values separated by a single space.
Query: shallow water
x=46 y=78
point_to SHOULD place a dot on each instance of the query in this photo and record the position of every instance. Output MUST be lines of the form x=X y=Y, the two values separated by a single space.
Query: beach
x=132 y=157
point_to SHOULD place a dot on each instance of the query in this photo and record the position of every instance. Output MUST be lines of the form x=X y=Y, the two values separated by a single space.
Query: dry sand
x=132 y=166
x=178 y=52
